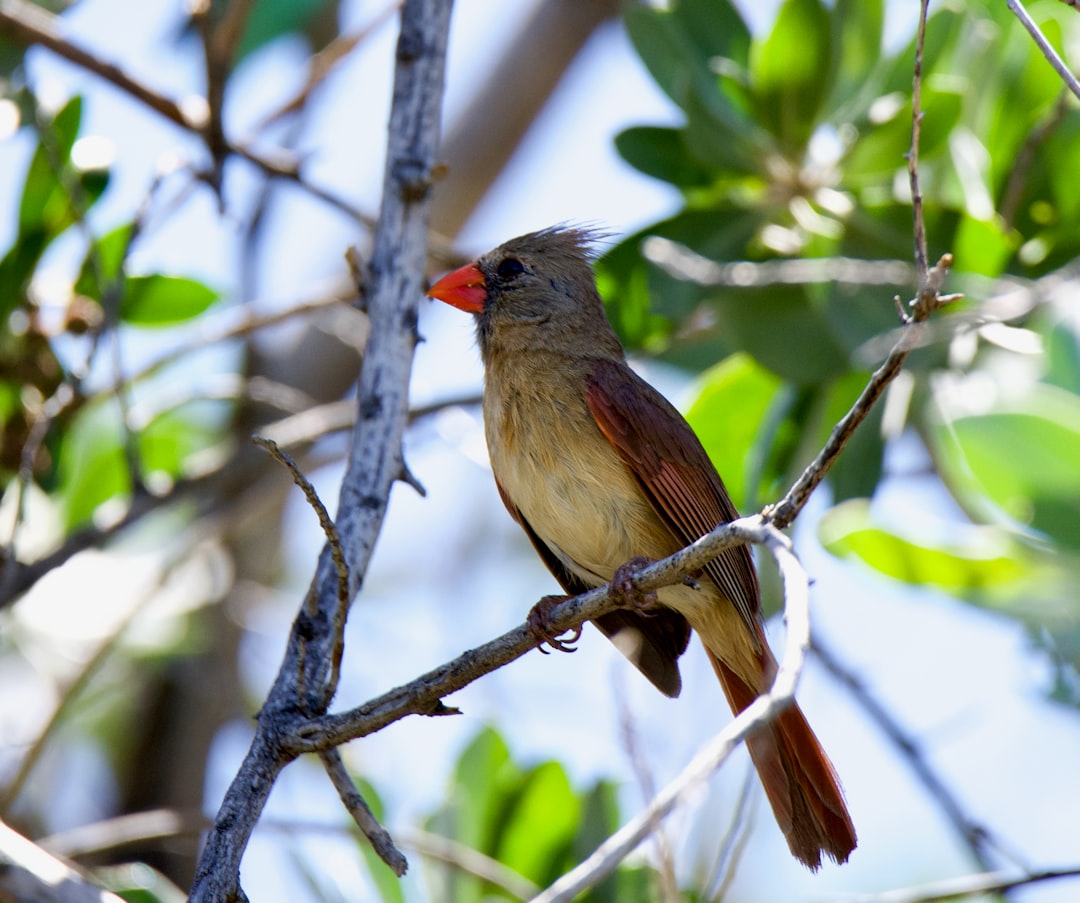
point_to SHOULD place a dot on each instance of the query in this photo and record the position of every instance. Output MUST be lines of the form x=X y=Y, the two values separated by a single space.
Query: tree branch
x=965 y=886
x=392 y=291
x=1045 y=46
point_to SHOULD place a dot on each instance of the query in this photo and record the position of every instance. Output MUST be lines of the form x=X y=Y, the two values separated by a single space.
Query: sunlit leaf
x=789 y=71
x=1022 y=457
x=727 y=414
x=159 y=300
x=539 y=828
x=850 y=531
x=92 y=467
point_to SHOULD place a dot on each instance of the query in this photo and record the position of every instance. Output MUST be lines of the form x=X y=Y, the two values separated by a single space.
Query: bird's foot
x=625 y=584
x=539 y=624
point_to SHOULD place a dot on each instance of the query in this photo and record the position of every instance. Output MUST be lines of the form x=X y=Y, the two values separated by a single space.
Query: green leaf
x=92 y=468
x=789 y=72
x=983 y=562
x=661 y=153
x=732 y=403
x=1022 y=457
x=159 y=300
x=169 y=440
x=271 y=19
x=45 y=204
x=539 y=828
x=857 y=28
x=783 y=330
x=982 y=246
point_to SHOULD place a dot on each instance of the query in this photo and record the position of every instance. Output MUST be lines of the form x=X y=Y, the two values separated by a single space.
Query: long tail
x=798 y=777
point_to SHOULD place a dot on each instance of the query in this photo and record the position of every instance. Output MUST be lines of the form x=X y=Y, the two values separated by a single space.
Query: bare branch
x=684 y=263
x=466 y=859
x=1045 y=46
x=975 y=836
x=379 y=838
x=392 y=291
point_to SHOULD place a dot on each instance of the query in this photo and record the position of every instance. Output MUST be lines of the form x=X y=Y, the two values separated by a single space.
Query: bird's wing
x=653 y=642
x=675 y=473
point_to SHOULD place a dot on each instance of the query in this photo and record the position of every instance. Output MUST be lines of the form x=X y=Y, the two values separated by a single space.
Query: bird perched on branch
x=602 y=472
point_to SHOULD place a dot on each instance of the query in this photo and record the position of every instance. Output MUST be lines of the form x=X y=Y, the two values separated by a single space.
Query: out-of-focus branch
x=27 y=872
x=965 y=886
x=976 y=837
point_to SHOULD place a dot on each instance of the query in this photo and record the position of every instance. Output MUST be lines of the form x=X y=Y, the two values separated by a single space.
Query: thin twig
x=1045 y=46
x=379 y=838
x=921 y=257
x=337 y=554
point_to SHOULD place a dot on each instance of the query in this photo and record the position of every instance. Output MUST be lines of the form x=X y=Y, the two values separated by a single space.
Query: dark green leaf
x=661 y=153
x=857 y=27
x=271 y=19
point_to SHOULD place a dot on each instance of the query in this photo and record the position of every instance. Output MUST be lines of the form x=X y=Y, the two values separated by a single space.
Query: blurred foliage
x=529 y=819
x=794 y=146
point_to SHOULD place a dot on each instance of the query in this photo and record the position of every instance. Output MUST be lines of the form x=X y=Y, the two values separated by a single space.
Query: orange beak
x=464 y=289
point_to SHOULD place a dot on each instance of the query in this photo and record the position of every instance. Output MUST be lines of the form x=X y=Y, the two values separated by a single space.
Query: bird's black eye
x=509 y=269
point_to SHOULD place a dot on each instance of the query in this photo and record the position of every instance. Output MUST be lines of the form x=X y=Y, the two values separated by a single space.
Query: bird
x=603 y=474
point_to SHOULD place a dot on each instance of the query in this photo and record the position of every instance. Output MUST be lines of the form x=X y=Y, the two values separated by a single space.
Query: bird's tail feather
x=798 y=777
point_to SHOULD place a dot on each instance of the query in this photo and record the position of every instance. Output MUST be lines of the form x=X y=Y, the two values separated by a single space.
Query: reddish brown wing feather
x=676 y=474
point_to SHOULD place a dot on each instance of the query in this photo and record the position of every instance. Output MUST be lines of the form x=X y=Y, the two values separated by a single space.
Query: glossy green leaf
x=1023 y=458
x=789 y=71
x=159 y=300
x=984 y=562
x=727 y=415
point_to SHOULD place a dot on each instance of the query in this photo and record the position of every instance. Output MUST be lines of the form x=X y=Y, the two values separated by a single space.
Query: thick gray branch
x=392 y=291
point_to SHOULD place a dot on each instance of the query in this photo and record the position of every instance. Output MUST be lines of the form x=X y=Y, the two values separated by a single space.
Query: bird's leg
x=539 y=624
x=625 y=584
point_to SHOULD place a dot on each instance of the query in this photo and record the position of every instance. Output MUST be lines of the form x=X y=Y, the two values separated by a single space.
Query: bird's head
x=534 y=292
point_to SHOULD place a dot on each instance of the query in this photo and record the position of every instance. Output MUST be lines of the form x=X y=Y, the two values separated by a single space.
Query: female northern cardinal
x=599 y=469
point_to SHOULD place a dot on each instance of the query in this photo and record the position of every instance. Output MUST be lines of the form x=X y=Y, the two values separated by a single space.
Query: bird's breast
x=567 y=480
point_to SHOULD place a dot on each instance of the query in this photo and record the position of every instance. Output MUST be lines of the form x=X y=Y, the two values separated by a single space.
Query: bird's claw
x=625 y=584
x=539 y=624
